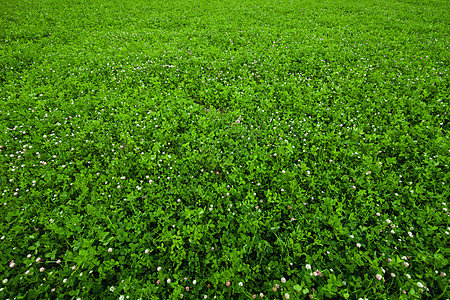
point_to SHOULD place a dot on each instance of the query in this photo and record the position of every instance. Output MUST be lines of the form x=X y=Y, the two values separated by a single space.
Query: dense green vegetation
x=224 y=149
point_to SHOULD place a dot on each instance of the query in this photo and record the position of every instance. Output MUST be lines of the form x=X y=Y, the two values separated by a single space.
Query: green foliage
x=160 y=150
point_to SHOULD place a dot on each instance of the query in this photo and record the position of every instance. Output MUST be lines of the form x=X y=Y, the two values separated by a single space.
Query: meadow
x=236 y=149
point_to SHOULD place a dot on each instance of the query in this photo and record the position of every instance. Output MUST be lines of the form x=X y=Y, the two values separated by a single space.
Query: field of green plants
x=234 y=149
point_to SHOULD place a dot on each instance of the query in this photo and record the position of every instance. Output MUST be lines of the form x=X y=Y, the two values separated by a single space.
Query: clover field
x=230 y=149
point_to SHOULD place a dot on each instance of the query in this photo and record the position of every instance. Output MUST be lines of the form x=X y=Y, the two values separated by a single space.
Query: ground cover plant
x=224 y=149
